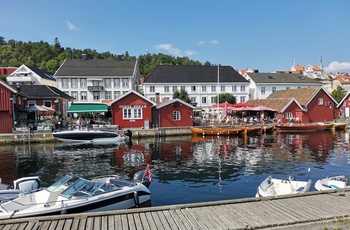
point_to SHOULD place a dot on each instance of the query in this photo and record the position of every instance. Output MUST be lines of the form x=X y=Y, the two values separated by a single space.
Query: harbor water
x=188 y=169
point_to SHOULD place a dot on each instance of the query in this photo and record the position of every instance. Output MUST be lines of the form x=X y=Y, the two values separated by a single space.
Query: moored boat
x=216 y=131
x=309 y=127
x=272 y=187
x=73 y=194
x=89 y=136
x=333 y=182
x=340 y=126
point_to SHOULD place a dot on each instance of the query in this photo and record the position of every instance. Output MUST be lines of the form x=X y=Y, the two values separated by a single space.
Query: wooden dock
x=316 y=210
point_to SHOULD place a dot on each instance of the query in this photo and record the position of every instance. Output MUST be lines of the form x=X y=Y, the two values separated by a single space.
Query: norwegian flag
x=148 y=173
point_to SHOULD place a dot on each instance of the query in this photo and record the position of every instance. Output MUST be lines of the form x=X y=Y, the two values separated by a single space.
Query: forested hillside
x=50 y=56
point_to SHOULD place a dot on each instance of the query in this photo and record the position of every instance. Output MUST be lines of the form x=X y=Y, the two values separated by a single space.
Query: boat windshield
x=59 y=183
x=84 y=187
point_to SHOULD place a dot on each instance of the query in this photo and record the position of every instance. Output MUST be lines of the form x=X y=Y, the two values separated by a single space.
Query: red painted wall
x=166 y=115
x=6 y=111
x=324 y=112
x=131 y=100
x=295 y=110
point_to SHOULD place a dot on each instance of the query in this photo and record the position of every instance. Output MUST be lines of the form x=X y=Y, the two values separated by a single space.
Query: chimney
x=157 y=98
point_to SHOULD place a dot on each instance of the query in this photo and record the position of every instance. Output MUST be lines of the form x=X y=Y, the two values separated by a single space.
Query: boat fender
x=136 y=199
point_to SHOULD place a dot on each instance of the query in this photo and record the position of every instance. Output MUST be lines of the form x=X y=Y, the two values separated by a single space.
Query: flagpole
x=218 y=90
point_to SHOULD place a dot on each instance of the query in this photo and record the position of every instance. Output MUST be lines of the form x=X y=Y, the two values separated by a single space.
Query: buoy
x=136 y=199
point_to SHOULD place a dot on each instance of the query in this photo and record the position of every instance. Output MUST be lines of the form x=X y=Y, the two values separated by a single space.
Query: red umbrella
x=262 y=108
x=222 y=105
x=238 y=105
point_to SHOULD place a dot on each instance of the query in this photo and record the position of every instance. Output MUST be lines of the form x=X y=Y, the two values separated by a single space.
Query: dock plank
x=111 y=224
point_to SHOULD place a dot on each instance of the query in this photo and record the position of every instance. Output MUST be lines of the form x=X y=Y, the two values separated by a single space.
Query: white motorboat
x=73 y=194
x=22 y=185
x=272 y=187
x=333 y=182
x=89 y=136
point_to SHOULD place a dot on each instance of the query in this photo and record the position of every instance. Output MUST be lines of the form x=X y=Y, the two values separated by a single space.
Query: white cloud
x=175 y=51
x=210 y=42
x=335 y=67
x=71 y=26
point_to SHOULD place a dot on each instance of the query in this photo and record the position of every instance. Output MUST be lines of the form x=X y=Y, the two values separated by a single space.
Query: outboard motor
x=138 y=177
x=128 y=135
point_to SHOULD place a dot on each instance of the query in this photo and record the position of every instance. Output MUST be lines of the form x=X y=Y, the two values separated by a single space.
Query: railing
x=95 y=88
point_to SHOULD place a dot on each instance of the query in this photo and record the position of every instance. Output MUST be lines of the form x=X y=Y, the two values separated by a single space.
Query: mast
x=218 y=102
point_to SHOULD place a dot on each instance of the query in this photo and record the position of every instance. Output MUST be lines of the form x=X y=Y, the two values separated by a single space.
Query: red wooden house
x=315 y=100
x=11 y=100
x=344 y=106
x=132 y=110
x=173 y=113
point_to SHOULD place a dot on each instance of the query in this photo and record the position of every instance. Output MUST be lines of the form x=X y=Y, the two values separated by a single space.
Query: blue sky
x=267 y=35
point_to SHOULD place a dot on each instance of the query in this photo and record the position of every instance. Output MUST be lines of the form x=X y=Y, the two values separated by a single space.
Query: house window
x=204 y=88
x=166 y=89
x=116 y=94
x=74 y=82
x=95 y=83
x=31 y=102
x=193 y=88
x=125 y=83
x=287 y=87
x=242 y=88
x=153 y=99
x=96 y=95
x=288 y=115
x=65 y=83
x=183 y=87
x=83 y=96
x=135 y=113
x=152 y=88
x=262 y=90
x=213 y=88
x=108 y=95
x=273 y=89
x=48 y=104
x=174 y=88
x=204 y=100
x=116 y=82
x=212 y=100
x=320 y=101
x=222 y=88
x=166 y=98
x=108 y=83
x=234 y=88
x=74 y=94
x=193 y=99
x=83 y=82
x=242 y=99
x=176 y=115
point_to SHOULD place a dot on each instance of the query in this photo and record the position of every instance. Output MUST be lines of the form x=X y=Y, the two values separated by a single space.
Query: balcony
x=24 y=79
x=95 y=88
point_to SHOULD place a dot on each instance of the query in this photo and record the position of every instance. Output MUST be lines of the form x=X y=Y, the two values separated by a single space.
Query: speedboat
x=22 y=185
x=272 y=187
x=89 y=136
x=333 y=182
x=73 y=194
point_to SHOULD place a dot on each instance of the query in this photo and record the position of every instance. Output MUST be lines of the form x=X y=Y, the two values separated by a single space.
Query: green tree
x=225 y=97
x=338 y=94
x=182 y=95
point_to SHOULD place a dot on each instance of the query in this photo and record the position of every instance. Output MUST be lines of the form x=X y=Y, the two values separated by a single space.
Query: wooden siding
x=324 y=112
x=166 y=115
x=131 y=100
x=6 y=110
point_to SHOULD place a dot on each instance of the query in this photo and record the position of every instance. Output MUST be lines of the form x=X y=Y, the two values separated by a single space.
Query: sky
x=264 y=35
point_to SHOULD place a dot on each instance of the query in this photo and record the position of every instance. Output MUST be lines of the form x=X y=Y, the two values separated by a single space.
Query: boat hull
x=304 y=127
x=87 y=136
x=334 y=182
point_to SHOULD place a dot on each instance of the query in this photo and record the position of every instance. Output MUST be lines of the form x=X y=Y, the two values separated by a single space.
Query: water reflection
x=188 y=168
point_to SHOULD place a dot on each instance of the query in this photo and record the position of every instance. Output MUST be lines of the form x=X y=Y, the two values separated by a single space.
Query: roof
x=302 y=95
x=302 y=68
x=40 y=91
x=282 y=78
x=97 y=67
x=279 y=104
x=128 y=93
x=173 y=101
x=42 y=73
x=87 y=108
x=189 y=74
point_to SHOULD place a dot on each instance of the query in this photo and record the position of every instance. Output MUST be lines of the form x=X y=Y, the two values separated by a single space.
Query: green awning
x=87 y=108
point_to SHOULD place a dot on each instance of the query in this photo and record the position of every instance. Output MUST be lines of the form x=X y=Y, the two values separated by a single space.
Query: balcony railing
x=20 y=79
x=95 y=88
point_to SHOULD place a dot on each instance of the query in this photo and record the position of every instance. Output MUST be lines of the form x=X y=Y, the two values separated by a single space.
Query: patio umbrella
x=262 y=108
x=238 y=105
x=35 y=108
x=222 y=105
